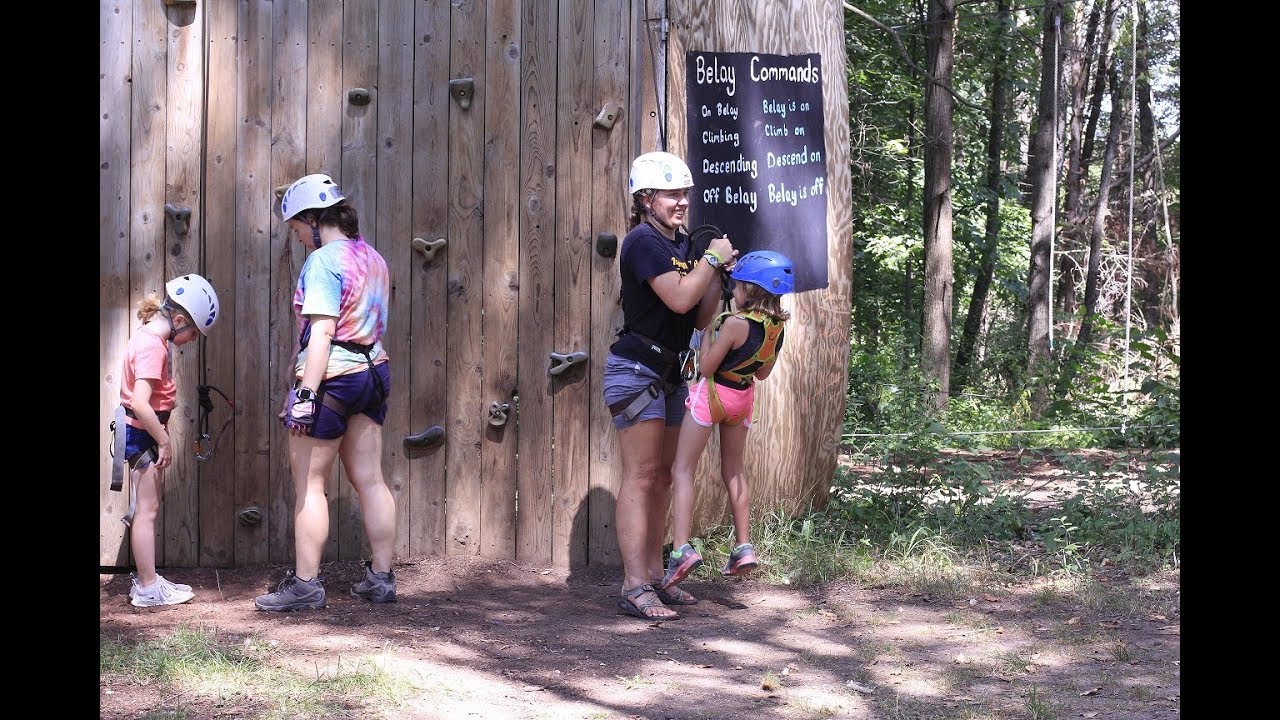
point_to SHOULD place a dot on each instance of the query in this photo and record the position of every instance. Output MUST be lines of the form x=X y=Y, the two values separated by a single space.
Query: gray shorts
x=624 y=378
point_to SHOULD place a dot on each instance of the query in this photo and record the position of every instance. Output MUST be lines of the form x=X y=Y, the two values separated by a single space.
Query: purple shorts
x=361 y=395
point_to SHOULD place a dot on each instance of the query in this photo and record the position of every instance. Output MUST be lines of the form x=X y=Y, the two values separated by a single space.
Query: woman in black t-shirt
x=665 y=295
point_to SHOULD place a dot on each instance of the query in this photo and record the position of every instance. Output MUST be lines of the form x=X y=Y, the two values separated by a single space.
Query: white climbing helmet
x=197 y=298
x=659 y=171
x=311 y=191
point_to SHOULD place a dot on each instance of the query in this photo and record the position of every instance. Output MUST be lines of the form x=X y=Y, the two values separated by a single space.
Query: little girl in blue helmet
x=743 y=349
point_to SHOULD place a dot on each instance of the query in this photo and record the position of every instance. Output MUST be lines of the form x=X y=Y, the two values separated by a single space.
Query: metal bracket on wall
x=462 y=89
x=606 y=244
x=358 y=96
x=428 y=248
x=180 y=217
x=498 y=413
x=564 y=362
x=608 y=115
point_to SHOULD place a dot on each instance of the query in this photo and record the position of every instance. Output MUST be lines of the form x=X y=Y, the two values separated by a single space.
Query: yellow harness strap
x=743 y=372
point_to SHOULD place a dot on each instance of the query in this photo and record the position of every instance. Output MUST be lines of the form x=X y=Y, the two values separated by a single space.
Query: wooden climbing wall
x=480 y=129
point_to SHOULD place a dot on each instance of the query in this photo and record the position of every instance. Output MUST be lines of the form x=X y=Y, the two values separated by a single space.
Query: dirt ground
x=494 y=639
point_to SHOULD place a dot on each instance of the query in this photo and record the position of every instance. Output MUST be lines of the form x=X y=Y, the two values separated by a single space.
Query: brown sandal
x=675 y=595
x=629 y=605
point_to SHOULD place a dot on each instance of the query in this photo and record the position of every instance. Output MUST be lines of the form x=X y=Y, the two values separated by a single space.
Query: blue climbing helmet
x=768 y=269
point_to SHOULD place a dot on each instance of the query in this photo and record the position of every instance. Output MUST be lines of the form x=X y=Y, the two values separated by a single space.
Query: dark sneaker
x=376 y=587
x=679 y=564
x=293 y=594
x=741 y=561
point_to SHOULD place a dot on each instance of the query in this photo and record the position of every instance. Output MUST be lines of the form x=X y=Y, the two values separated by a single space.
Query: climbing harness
x=325 y=398
x=671 y=362
x=742 y=375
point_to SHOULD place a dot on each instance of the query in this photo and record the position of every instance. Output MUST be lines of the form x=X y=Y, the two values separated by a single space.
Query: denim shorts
x=624 y=378
x=359 y=392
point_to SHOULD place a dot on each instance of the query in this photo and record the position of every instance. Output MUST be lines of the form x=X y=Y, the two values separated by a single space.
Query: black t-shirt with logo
x=647 y=254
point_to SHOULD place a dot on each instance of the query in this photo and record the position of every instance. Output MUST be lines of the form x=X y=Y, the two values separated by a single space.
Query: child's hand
x=164 y=456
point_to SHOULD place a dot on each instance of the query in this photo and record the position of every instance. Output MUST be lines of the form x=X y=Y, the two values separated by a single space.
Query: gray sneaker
x=293 y=594
x=161 y=592
x=376 y=587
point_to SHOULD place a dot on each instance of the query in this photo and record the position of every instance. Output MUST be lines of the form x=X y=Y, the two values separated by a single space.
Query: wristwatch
x=713 y=260
x=305 y=394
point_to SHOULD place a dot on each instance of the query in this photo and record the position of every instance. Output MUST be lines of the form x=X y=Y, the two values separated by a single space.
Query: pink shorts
x=737 y=404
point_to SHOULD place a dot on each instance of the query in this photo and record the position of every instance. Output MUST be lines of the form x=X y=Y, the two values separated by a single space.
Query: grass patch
x=195 y=664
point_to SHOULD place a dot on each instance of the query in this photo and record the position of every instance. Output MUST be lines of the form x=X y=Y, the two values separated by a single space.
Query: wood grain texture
x=426 y=362
x=288 y=163
x=115 y=313
x=572 y=396
x=360 y=52
x=254 y=306
x=799 y=412
x=468 y=408
x=147 y=169
x=501 y=268
x=326 y=103
x=611 y=157
x=216 y=476
x=537 y=204
x=392 y=239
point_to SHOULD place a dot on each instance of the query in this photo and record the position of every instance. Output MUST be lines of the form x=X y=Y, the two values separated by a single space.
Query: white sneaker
x=162 y=592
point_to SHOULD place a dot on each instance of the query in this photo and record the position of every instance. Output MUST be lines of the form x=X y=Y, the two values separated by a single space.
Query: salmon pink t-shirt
x=147 y=357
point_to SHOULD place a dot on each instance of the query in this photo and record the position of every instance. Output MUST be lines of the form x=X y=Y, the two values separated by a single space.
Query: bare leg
x=660 y=503
x=733 y=443
x=693 y=440
x=641 y=448
x=361 y=452
x=312 y=462
x=142 y=530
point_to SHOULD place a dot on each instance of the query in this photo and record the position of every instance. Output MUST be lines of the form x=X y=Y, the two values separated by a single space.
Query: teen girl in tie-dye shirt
x=342 y=380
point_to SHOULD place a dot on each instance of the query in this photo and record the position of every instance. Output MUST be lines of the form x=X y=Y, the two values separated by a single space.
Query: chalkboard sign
x=757 y=154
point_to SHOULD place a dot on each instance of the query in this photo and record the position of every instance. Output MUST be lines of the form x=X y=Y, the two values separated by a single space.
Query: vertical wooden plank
x=575 y=262
x=648 y=80
x=257 y=379
x=467 y=407
x=326 y=99
x=360 y=183
x=394 y=224
x=536 y=483
x=501 y=268
x=146 y=178
x=115 y=314
x=184 y=135
x=610 y=164
x=426 y=360
x=288 y=163
x=217 y=474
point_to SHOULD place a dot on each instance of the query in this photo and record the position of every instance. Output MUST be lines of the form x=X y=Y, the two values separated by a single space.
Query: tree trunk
x=938 y=271
x=1044 y=181
x=1098 y=231
x=1099 y=83
x=991 y=238
x=1079 y=83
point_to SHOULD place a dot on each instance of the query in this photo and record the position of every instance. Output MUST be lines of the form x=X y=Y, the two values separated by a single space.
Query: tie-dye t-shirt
x=347 y=279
